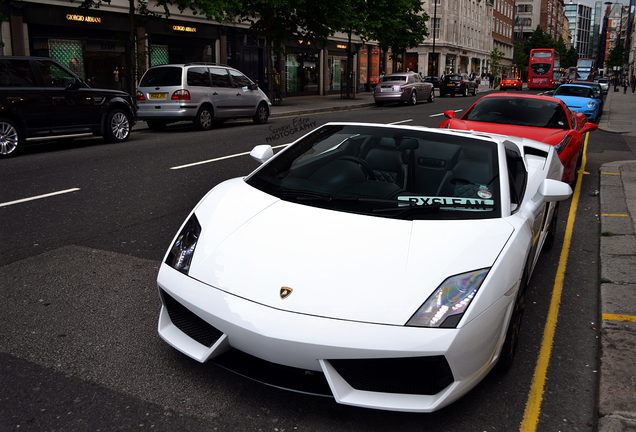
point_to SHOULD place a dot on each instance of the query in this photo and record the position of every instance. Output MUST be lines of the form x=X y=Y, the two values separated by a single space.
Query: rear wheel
x=9 y=138
x=204 y=118
x=117 y=126
x=413 y=100
x=431 y=97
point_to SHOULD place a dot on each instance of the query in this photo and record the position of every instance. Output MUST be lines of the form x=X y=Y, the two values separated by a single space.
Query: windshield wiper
x=409 y=206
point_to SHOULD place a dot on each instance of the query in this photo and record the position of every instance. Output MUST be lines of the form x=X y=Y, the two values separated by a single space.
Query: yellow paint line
x=610 y=173
x=537 y=388
x=615 y=214
x=618 y=317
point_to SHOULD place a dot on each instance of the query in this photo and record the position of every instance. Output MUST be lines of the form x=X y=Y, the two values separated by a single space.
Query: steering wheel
x=366 y=169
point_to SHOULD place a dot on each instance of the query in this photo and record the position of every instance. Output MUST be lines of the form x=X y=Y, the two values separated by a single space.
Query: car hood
x=339 y=265
x=545 y=135
x=576 y=101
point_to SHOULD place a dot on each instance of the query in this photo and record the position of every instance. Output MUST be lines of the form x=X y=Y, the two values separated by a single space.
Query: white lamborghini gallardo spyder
x=385 y=266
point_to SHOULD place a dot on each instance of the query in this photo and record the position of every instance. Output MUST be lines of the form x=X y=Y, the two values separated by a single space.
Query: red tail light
x=181 y=95
x=140 y=96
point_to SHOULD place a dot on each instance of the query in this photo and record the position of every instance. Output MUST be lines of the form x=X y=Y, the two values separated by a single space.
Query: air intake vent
x=189 y=323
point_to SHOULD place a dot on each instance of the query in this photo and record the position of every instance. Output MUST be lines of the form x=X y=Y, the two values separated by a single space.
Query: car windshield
x=162 y=77
x=519 y=111
x=578 y=91
x=393 y=78
x=454 y=78
x=387 y=172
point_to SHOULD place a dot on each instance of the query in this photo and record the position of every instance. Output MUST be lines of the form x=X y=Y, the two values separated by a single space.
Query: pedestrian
x=625 y=85
x=491 y=79
x=616 y=83
x=633 y=83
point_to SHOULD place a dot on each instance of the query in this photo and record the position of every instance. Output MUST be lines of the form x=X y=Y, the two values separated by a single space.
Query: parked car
x=581 y=98
x=453 y=84
x=405 y=87
x=539 y=118
x=42 y=100
x=433 y=80
x=313 y=313
x=198 y=92
x=604 y=83
x=511 y=83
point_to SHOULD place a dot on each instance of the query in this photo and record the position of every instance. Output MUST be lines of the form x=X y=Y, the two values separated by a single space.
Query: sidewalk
x=617 y=389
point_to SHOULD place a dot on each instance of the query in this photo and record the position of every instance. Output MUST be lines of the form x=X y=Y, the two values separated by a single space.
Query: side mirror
x=253 y=86
x=450 y=114
x=73 y=84
x=589 y=127
x=262 y=153
x=554 y=190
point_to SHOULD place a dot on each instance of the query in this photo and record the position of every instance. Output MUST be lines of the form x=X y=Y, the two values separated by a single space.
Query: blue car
x=580 y=98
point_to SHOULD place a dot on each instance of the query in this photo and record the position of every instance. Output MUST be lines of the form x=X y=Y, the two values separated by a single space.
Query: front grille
x=410 y=375
x=285 y=377
x=190 y=323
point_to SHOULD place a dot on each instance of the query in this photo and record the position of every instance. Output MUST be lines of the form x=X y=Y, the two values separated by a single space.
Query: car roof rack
x=206 y=64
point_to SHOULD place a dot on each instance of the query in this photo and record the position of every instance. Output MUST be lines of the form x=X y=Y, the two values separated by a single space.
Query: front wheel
x=509 y=348
x=9 y=138
x=117 y=126
x=203 y=120
x=262 y=114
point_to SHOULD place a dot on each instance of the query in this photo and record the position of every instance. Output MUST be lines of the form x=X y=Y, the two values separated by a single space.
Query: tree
x=615 y=57
x=495 y=61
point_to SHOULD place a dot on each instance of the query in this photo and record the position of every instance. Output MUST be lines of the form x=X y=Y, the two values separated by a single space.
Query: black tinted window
x=198 y=76
x=53 y=75
x=16 y=73
x=162 y=76
x=519 y=111
x=517 y=175
x=239 y=79
x=220 y=78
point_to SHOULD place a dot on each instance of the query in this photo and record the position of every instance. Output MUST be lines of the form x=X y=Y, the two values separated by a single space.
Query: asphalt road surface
x=78 y=343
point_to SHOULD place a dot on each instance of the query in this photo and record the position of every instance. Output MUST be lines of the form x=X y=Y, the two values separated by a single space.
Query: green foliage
x=396 y=24
x=495 y=60
x=615 y=57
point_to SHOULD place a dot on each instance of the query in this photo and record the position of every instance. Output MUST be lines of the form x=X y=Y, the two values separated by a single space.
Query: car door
x=224 y=94
x=247 y=98
x=20 y=95
x=73 y=108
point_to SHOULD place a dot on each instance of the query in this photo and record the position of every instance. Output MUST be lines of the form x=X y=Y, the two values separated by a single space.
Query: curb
x=320 y=110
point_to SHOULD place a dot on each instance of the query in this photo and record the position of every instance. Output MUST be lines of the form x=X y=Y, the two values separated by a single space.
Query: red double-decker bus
x=543 y=68
x=585 y=69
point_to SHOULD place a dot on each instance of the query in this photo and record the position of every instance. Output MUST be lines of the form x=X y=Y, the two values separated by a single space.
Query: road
x=79 y=348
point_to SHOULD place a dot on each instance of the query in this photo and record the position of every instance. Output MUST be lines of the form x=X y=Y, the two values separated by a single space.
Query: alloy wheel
x=120 y=126
x=9 y=138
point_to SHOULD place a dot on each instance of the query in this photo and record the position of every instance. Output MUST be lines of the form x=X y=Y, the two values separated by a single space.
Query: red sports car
x=511 y=83
x=540 y=118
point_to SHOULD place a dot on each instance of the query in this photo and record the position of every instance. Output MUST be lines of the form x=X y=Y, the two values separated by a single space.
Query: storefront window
x=302 y=72
x=159 y=55
x=337 y=67
x=69 y=53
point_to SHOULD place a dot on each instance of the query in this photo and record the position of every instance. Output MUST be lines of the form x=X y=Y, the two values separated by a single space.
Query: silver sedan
x=405 y=87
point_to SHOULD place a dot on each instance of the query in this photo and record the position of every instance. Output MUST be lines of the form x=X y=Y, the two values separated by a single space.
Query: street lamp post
x=434 y=57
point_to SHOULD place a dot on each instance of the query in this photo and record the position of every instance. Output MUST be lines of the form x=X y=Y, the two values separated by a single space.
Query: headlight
x=398 y=89
x=560 y=146
x=445 y=307
x=181 y=252
x=591 y=104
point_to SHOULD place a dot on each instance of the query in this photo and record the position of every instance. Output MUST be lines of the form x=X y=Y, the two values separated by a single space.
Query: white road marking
x=441 y=114
x=401 y=121
x=219 y=158
x=6 y=204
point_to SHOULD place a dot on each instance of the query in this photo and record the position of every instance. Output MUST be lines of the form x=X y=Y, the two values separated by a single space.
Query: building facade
x=460 y=38
x=547 y=14
x=580 y=18
x=502 y=34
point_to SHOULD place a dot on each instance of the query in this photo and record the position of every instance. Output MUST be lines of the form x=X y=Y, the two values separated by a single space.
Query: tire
x=379 y=104
x=475 y=91
x=549 y=239
x=431 y=97
x=118 y=126
x=262 y=114
x=10 y=138
x=413 y=99
x=204 y=119
x=156 y=125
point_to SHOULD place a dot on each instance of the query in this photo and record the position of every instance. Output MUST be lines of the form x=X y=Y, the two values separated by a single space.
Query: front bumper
x=318 y=344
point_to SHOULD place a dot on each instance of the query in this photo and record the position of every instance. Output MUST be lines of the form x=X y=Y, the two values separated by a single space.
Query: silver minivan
x=202 y=92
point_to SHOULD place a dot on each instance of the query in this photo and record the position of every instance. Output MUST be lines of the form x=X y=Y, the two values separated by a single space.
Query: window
x=239 y=79
x=16 y=73
x=220 y=78
x=53 y=75
x=198 y=77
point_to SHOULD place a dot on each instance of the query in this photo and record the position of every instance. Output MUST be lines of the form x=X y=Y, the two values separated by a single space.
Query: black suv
x=41 y=99
x=453 y=84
